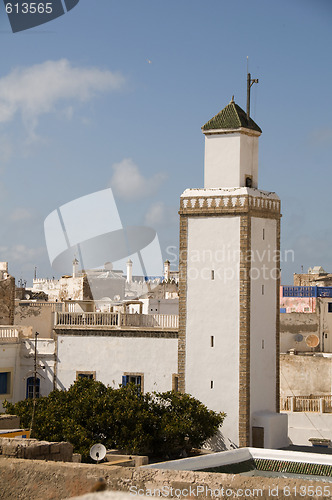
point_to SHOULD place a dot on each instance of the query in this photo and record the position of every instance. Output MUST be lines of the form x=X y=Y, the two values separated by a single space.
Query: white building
x=17 y=364
x=116 y=348
x=229 y=287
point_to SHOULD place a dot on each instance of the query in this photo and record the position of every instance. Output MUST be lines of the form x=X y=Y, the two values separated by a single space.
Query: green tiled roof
x=231 y=117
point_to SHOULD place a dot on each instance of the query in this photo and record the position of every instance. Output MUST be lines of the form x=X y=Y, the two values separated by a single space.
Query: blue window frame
x=30 y=386
x=132 y=379
x=5 y=383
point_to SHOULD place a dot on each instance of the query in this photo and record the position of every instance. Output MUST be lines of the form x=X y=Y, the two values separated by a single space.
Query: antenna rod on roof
x=250 y=83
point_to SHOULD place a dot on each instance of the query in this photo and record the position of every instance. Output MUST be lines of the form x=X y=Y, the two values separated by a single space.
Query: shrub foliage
x=159 y=424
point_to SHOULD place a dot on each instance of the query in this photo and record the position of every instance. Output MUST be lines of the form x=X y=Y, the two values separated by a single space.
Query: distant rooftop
x=231 y=117
x=316 y=270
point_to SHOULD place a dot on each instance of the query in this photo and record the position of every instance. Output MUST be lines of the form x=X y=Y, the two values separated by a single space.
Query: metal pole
x=248 y=94
x=34 y=386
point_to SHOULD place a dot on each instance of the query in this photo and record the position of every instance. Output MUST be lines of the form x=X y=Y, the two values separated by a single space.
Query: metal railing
x=310 y=404
x=115 y=319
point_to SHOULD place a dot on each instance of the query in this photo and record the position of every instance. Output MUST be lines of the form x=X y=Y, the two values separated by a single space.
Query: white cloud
x=129 y=184
x=20 y=214
x=160 y=214
x=20 y=253
x=36 y=90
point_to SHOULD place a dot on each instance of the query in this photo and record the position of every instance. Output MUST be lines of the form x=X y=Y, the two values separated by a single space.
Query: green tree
x=160 y=424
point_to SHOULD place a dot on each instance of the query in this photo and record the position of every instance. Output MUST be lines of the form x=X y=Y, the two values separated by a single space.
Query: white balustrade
x=116 y=319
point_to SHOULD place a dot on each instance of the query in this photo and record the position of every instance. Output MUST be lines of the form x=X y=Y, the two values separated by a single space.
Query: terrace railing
x=310 y=404
x=115 y=319
x=8 y=332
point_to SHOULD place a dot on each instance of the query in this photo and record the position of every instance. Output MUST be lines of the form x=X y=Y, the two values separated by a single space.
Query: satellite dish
x=298 y=337
x=97 y=452
x=312 y=340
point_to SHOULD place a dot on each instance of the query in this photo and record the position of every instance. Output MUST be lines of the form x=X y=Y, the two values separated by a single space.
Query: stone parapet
x=9 y=422
x=229 y=203
x=32 y=449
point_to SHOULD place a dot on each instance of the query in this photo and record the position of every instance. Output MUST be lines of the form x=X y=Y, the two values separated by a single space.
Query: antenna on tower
x=250 y=83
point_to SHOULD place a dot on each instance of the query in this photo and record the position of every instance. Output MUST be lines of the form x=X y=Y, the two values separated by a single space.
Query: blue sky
x=115 y=94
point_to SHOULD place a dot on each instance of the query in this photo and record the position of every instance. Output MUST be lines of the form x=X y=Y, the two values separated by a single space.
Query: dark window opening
x=85 y=375
x=5 y=383
x=329 y=307
x=248 y=181
x=30 y=387
x=175 y=382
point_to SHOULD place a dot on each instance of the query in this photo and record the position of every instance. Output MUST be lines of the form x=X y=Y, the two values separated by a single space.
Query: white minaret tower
x=129 y=271
x=167 y=270
x=75 y=268
x=229 y=287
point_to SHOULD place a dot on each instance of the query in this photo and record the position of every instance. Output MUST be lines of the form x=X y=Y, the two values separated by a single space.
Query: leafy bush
x=159 y=424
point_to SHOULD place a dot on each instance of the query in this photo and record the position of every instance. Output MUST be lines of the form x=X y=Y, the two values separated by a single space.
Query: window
x=211 y=384
x=88 y=375
x=262 y=289
x=212 y=274
x=249 y=181
x=212 y=340
x=133 y=378
x=5 y=383
x=263 y=234
x=175 y=382
x=329 y=307
x=30 y=387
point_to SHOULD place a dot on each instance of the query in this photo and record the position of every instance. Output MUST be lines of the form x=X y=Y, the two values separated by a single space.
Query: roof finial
x=232 y=100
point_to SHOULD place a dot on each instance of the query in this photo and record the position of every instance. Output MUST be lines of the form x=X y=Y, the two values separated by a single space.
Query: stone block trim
x=182 y=302
x=278 y=321
x=230 y=205
x=7 y=300
x=142 y=333
x=244 y=332
x=31 y=449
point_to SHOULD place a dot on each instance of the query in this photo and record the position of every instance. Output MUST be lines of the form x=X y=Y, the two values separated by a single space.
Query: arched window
x=30 y=386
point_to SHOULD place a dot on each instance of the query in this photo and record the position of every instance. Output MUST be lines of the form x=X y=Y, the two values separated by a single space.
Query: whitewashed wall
x=213 y=310
x=10 y=362
x=18 y=359
x=303 y=426
x=228 y=157
x=263 y=316
x=45 y=365
x=110 y=357
x=160 y=306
